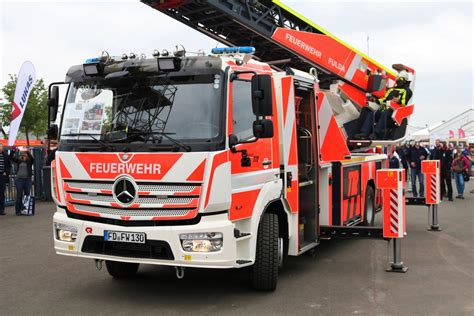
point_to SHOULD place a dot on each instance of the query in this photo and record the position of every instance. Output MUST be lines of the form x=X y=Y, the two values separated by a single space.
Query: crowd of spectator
x=455 y=163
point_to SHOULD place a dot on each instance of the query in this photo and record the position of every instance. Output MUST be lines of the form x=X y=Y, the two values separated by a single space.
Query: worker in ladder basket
x=376 y=122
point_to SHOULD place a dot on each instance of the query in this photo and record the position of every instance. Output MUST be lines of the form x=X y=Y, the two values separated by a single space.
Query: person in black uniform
x=445 y=156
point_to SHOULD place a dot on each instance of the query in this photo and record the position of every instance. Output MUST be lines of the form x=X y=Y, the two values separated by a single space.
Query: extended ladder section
x=285 y=39
x=281 y=36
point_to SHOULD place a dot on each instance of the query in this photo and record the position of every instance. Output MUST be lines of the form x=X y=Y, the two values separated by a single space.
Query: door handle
x=267 y=162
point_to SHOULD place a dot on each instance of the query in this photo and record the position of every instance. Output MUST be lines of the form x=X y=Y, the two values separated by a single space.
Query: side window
x=242 y=114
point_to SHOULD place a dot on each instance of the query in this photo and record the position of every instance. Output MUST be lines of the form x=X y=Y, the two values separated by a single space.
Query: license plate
x=136 y=238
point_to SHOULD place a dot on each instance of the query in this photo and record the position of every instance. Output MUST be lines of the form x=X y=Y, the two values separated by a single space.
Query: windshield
x=184 y=108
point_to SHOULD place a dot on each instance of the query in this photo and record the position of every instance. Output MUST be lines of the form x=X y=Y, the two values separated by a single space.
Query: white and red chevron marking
x=433 y=187
x=394 y=222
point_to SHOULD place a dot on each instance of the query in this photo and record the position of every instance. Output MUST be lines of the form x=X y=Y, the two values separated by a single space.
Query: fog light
x=65 y=232
x=201 y=242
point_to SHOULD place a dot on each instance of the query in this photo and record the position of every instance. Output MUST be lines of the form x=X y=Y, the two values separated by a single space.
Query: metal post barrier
x=433 y=218
x=431 y=172
x=38 y=185
x=392 y=184
x=10 y=192
x=396 y=261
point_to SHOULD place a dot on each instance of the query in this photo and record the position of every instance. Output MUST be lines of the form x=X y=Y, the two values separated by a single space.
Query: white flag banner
x=24 y=85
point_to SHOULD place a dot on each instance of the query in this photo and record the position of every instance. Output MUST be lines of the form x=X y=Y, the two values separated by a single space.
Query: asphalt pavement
x=342 y=277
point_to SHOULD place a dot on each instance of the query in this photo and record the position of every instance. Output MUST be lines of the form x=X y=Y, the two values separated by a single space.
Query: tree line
x=35 y=119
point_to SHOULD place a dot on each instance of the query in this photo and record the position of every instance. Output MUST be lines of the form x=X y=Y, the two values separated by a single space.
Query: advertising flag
x=451 y=133
x=24 y=85
x=461 y=133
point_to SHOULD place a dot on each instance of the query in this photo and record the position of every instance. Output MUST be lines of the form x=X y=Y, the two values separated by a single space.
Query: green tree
x=35 y=119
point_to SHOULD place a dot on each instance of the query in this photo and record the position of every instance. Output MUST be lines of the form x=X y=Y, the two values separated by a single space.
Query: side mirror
x=263 y=128
x=262 y=97
x=376 y=83
x=53 y=132
x=53 y=103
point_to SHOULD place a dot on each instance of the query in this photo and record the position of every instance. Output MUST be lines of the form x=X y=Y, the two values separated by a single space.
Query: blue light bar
x=233 y=50
x=92 y=60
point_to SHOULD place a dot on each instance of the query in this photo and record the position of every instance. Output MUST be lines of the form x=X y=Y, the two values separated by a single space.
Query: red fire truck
x=234 y=159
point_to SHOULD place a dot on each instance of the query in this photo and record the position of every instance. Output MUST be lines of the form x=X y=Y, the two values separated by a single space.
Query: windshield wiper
x=163 y=134
x=102 y=143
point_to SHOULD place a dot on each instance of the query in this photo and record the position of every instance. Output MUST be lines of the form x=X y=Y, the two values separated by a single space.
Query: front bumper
x=224 y=258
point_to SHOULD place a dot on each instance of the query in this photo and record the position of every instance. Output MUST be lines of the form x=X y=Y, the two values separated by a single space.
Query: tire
x=121 y=270
x=369 y=208
x=265 y=269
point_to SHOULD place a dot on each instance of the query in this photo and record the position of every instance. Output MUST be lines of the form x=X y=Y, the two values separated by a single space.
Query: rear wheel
x=269 y=254
x=121 y=270
x=369 y=209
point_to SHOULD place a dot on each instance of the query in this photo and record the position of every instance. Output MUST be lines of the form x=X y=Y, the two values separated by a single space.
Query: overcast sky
x=433 y=38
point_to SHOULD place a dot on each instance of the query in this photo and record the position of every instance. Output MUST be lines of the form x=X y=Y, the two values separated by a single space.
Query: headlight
x=65 y=232
x=201 y=242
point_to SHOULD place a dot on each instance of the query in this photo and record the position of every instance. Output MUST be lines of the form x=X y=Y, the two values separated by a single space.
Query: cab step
x=241 y=236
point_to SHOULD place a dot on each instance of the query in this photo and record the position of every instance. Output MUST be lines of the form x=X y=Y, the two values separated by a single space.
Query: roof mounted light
x=124 y=56
x=132 y=55
x=168 y=64
x=233 y=50
x=156 y=53
x=165 y=52
x=92 y=60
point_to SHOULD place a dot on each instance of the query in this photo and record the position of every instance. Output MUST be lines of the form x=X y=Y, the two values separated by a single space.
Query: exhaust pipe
x=179 y=272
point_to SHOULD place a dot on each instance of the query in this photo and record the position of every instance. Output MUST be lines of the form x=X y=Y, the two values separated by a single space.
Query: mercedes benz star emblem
x=124 y=191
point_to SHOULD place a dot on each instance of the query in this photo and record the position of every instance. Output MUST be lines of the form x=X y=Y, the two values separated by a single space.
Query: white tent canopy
x=464 y=121
x=423 y=134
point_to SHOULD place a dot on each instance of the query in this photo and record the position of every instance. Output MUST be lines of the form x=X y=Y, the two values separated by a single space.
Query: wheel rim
x=280 y=252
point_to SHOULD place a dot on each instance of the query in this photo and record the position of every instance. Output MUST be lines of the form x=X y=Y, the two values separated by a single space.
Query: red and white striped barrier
x=392 y=184
x=431 y=172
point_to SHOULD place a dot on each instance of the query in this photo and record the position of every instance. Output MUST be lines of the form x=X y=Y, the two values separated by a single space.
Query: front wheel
x=268 y=255
x=120 y=270
x=369 y=209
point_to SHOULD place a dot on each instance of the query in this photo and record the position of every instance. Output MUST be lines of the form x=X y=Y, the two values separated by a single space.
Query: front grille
x=152 y=249
x=157 y=188
x=131 y=212
x=155 y=200
x=166 y=188
x=145 y=200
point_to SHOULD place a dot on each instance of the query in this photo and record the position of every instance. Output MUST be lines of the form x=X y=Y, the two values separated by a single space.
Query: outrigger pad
x=397 y=268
